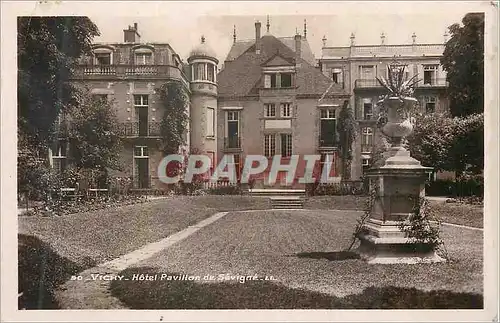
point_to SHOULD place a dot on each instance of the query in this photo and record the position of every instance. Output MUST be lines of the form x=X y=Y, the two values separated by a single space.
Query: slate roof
x=242 y=76
x=241 y=46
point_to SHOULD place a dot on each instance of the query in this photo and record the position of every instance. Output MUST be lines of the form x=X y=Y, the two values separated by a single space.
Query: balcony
x=367 y=83
x=141 y=129
x=232 y=143
x=128 y=72
x=441 y=82
x=374 y=84
x=328 y=143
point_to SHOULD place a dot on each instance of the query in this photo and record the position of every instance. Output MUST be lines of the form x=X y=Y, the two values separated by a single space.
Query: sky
x=183 y=30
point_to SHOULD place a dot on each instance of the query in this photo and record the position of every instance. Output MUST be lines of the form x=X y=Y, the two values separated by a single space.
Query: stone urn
x=398 y=125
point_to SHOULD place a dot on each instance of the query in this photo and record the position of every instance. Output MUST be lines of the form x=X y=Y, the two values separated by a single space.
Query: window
x=328 y=128
x=141 y=100
x=286 y=80
x=143 y=58
x=367 y=111
x=141 y=152
x=286 y=110
x=269 y=110
x=286 y=145
x=327 y=113
x=59 y=152
x=210 y=122
x=232 y=140
x=430 y=104
x=199 y=71
x=367 y=136
x=211 y=72
x=141 y=169
x=337 y=75
x=102 y=58
x=140 y=127
x=269 y=145
x=366 y=162
x=367 y=72
x=430 y=73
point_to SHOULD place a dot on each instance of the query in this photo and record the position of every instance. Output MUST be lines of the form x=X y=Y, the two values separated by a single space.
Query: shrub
x=343 y=188
x=465 y=186
x=233 y=189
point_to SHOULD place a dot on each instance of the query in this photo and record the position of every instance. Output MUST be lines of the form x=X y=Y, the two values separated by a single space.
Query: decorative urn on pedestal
x=397 y=184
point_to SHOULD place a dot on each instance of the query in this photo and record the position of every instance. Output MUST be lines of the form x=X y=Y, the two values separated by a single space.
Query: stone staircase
x=282 y=198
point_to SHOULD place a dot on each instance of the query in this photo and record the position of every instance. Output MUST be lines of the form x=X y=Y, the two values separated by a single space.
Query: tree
x=449 y=144
x=463 y=60
x=467 y=151
x=175 y=118
x=48 y=49
x=432 y=140
x=347 y=136
x=94 y=135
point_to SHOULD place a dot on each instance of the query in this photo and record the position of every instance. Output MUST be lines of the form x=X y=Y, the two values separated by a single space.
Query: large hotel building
x=271 y=97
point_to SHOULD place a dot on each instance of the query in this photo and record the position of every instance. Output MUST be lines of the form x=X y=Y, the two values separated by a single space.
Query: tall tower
x=203 y=111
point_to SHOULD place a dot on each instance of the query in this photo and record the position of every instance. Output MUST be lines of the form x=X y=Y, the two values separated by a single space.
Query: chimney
x=257 y=37
x=298 y=47
x=131 y=35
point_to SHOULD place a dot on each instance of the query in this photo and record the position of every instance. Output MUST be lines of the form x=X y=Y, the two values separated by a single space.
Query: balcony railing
x=366 y=83
x=328 y=142
x=127 y=71
x=141 y=129
x=232 y=142
x=373 y=83
x=432 y=83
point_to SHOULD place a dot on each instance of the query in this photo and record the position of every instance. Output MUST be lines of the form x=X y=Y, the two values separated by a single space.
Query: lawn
x=53 y=248
x=302 y=251
x=462 y=214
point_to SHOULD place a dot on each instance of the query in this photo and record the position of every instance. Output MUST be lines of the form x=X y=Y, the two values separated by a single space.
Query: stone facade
x=129 y=74
x=356 y=68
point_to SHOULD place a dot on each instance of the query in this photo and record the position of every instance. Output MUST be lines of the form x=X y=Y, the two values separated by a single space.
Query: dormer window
x=143 y=54
x=103 y=56
x=143 y=58
x=278 y=80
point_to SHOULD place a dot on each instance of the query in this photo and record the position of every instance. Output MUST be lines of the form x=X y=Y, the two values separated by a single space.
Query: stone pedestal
x=399 y=183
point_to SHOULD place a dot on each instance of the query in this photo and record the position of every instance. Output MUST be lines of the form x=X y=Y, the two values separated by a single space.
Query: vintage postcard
x=249 y=161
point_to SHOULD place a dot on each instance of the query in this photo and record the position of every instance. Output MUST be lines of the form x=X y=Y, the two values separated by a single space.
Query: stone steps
x=287 y=202
x=277 y=192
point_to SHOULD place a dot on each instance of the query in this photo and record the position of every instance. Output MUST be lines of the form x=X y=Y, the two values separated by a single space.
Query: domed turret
x=203 y=107
x=203 y=51
x=203 y=67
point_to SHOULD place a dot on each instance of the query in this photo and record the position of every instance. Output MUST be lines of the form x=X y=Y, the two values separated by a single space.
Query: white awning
x=366 y=156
